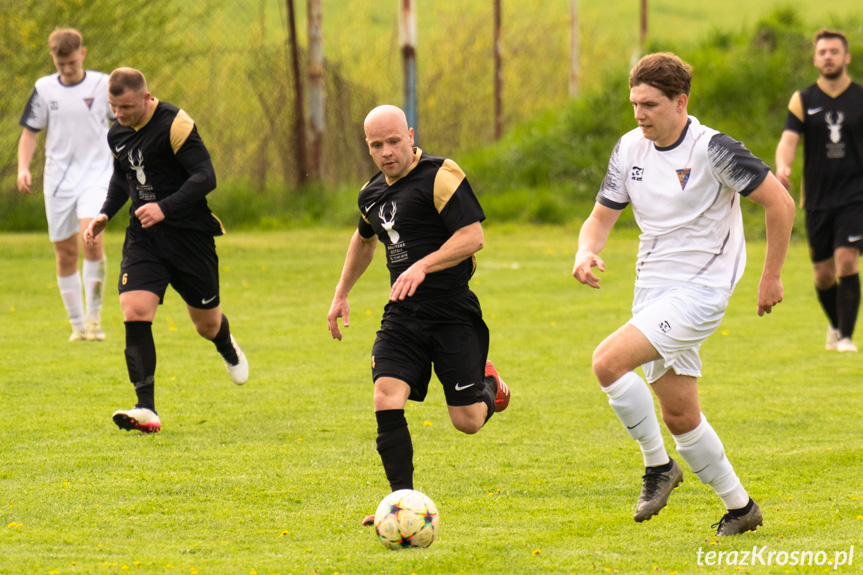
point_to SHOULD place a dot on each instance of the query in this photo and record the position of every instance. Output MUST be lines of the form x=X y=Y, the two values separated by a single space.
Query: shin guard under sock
x=631 y=400
x=847 y=304
x=827 y=299
x=395 y=448
x=141 y=361
x=702 y=450
x=223 y=343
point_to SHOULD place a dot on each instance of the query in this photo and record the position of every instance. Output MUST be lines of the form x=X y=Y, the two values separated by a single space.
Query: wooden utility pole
x=498 y=75
x=574 y=49
x=299 y=115
x=643 y=37
x=317 y=114
x=408 y=39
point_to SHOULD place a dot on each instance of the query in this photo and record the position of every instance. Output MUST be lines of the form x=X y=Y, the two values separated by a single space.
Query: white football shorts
x=676 y=320
x=65 y=212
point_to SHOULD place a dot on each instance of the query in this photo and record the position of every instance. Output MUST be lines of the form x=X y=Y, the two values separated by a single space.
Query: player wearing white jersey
x=684 y=182
x=72 y=107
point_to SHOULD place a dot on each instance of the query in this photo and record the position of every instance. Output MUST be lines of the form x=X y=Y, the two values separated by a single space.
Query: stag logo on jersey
x=683 y=177
x=89 y=103
x=54 y=105
x=834 y=124
x=138 y=166
x=664 y=327
x=387 y=222
x=637 y=173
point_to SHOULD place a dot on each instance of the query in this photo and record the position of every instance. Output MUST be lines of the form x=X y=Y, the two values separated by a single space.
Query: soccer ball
x=406 y=518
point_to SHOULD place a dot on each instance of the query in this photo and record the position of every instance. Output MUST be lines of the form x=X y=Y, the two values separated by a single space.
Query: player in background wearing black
x=829 y=116
x=161 y=163
x=422 y=208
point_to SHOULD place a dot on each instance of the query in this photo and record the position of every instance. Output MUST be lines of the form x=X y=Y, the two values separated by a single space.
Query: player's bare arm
x=97 y=226
x=360 y=253
x=26 y=149
x=779 y=219
x=785 y=152
x=461 y=245
x=591 y=239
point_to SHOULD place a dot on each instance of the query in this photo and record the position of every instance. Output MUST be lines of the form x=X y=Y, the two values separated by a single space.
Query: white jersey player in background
x=684 y=182
x=72 y=107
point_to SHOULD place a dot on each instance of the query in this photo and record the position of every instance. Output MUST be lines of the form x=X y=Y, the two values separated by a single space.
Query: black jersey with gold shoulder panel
x=415 y=215
x=832 y=129
x=163 y=160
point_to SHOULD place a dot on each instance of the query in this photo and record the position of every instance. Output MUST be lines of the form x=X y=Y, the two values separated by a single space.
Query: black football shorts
x=827 y=230
x=160 y=256
x=447 y=334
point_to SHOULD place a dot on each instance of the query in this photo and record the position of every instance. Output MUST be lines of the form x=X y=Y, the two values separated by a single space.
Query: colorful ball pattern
x=406 y=518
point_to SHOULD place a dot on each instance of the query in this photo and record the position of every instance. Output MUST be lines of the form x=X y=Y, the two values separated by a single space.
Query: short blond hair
x=65 y=41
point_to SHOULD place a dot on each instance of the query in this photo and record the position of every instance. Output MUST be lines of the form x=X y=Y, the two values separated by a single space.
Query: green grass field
x=274 y=477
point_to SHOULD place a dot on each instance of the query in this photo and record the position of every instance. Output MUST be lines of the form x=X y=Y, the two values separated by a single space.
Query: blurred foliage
x=226 y=63
x=742 y=83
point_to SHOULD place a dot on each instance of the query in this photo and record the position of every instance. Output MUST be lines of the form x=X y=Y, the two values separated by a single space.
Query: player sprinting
x=422 y=208
x=684 y=182
x=161 y=163
x=829 y=116
x=72 y=107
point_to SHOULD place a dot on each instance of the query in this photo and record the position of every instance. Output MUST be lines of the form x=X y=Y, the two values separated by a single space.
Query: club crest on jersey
x=683 y=177
x=138 y=166
x=834 y=124
x=89 y=103
x=637 y=173
x=387 y=223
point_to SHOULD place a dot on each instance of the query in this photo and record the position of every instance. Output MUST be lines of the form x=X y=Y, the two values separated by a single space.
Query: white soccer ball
x=406 y=518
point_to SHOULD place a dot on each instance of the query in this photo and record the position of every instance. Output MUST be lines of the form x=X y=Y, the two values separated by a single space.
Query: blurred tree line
x=227 y=63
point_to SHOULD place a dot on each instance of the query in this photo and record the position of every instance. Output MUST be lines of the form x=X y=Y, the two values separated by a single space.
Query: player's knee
x=604 y=368
x=679 y=423
x=469 y=426
x=207 y=329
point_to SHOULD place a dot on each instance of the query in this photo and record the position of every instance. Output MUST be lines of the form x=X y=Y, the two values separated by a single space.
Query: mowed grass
x=274 y=477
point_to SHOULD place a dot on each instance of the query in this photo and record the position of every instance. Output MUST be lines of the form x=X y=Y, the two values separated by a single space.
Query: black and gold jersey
x=415 y=215
x=832 y=130
x=163 y=160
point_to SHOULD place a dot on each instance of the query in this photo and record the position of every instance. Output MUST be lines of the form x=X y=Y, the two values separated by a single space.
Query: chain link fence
x=227 y=64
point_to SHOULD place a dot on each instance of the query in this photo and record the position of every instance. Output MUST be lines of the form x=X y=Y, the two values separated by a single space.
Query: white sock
x=631 y=400
x=70 y=291
x=702 y=450
x=94 y=284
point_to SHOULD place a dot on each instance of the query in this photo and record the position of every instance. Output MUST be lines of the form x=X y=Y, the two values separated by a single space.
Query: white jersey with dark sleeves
x=76 y=120
x=686 y=201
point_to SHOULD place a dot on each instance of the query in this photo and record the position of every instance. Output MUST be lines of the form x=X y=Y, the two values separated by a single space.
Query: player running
x=684 y=181
x=161 y=163
x=422 y=208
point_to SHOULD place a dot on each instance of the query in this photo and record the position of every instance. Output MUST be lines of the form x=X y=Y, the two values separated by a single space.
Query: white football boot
x=140 y=418
x=240 y=372
x=833 y=337
x=845 y=344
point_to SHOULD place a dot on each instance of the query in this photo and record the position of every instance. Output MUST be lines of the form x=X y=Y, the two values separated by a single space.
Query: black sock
x=659 y=468
x=743 y=510
x=396 y=448
x=488 y=395
x=827 y=298
x=223 y=343
x=141 y=361
x=848 y=303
